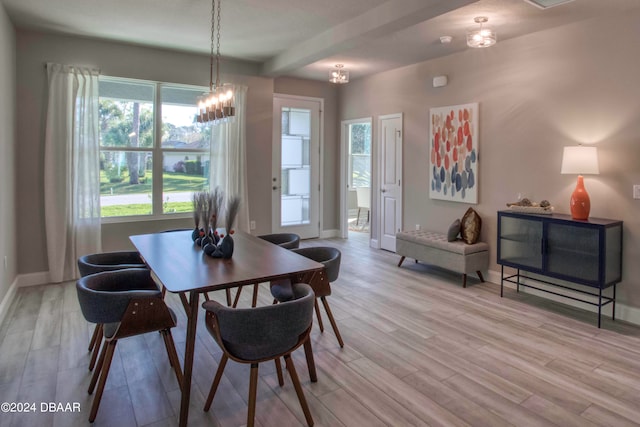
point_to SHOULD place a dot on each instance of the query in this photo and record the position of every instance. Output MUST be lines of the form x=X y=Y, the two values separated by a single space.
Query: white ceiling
x=304 y=38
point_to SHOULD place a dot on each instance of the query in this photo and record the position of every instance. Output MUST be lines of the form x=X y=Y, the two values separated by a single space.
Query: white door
x=390 y=179
x=295 y=182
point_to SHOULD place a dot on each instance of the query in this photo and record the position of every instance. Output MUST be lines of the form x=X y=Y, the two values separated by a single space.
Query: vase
x=195 y=234
x=226 y=246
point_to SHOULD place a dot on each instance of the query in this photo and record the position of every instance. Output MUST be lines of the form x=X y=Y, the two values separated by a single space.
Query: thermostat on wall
x=439 y=81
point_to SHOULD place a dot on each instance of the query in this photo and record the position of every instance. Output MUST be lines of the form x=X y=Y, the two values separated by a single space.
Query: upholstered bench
x=434 y=249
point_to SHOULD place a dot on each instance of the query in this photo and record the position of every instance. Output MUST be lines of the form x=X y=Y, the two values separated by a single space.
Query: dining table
x=181 y=267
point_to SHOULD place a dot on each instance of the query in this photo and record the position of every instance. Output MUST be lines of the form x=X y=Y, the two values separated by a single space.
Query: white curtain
x=229 y=160
x=71 y=169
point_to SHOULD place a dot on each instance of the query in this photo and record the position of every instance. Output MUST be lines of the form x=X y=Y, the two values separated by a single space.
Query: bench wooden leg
x=401 y=261
x=480 y=276
x=464 y=280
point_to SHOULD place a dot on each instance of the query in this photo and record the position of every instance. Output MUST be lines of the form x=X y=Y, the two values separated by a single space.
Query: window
x=153 y=155
x=359 y=155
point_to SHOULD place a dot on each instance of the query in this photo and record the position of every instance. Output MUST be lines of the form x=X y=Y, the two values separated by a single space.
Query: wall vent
x=546 y=4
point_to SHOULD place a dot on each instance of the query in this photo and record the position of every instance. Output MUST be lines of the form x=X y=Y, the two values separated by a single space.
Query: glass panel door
x=296 y=167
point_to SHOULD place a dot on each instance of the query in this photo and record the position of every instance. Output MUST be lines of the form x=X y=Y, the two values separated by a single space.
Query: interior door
x=295 y=181
x=390 y=178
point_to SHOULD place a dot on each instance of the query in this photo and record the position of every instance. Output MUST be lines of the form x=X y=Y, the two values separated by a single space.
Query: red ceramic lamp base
x=580 y=203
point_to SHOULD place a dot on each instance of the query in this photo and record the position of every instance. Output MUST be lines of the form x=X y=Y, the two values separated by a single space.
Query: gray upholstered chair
x=284 y=240
x=126 y=302
x=97 y=263
x=320 y=282
x=254 y=335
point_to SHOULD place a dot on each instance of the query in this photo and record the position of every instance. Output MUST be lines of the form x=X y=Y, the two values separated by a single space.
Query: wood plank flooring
x=419 y=350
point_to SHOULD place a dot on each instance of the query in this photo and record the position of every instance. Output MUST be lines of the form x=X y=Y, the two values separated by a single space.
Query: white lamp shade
x=580 y=160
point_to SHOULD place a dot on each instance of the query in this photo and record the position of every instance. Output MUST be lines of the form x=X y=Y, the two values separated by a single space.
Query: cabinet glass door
x=521 y=242
x=573 y=251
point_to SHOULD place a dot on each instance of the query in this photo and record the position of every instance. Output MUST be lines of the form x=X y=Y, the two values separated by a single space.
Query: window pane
x=125 y=183
x=183 y=174
x=179 y=127
x=126 y=114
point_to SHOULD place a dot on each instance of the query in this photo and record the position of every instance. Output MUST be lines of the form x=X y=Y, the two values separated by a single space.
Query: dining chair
x=284 y=240
x=97 y=263
x=255 y=335
x=320 y=282
x=127 y=303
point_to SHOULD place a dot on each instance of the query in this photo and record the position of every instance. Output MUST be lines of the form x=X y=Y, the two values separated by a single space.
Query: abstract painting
x=453 y=152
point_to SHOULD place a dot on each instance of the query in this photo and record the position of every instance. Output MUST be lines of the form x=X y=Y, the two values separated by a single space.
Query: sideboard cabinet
x=586 y=253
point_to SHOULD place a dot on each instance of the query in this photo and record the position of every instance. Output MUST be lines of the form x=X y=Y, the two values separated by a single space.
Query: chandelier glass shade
x=339 y=75
x=482 y=36
x=218 y=105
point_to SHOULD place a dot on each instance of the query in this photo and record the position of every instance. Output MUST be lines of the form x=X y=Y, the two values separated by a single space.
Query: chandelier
x=217 y=106
x=339 y=75
x=483 y=36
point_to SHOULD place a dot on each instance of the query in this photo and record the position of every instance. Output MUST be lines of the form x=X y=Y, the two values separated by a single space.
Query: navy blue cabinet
x=587 y=253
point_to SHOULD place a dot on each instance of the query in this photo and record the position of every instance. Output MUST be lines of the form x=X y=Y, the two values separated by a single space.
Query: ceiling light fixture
x=483 y=36
x=339 y=75
x=217 y=106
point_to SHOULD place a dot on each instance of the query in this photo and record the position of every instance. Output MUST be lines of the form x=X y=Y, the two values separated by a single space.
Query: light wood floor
x=420 y=350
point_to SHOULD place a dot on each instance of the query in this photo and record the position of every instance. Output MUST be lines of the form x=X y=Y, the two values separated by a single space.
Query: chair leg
x=401 y=260
x=480 y=276
x=332 y=320
x=253 y=388
x=173 y=355
x=279 y=371
x=110 y=349
x=296 y=384
x=235 y=301
x=317 y=308
x=96 y=347
x=98 y=368
x=464 y=280
x=311 y=364
x=96 y=331
x=358 y=217
x=216 y=382
x=254 y=301
x=228 y=293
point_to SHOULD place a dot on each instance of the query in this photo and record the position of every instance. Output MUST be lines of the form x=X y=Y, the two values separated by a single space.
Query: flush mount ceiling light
x=339 y=75
x=483 y=36
x=546 y=4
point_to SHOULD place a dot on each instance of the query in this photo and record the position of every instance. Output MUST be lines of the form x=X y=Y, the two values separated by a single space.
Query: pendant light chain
x=218 y=48
x=213 y=8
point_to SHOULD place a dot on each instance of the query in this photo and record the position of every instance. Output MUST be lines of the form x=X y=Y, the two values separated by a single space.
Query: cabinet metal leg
x=518 y=281
x=599 y=305
x=501 y=280
x=613 y=309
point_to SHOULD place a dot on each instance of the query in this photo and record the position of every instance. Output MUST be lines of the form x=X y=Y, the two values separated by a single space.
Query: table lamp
x=580 y=160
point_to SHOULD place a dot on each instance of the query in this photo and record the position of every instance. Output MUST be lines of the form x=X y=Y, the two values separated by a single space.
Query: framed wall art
x=453 y=152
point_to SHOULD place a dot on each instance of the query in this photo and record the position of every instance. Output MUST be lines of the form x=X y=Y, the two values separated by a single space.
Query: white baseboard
x=8 y=300
x=328 y=234
x=33 y=279
x=623 y=312
x=21 y=281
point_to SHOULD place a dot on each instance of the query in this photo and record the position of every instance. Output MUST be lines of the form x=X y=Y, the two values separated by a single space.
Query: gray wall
x=34 y=49
x=537 y=94
x=7 y=152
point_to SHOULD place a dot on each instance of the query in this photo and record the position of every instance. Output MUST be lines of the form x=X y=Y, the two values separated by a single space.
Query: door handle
x=383 y=190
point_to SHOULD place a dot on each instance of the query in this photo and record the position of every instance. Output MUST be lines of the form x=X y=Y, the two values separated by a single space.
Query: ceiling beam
x=389 y=17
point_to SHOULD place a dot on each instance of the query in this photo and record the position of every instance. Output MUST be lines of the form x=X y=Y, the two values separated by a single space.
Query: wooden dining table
x=180 y=266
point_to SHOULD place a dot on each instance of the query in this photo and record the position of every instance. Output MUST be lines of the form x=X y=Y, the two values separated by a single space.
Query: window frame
x=157 y=153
